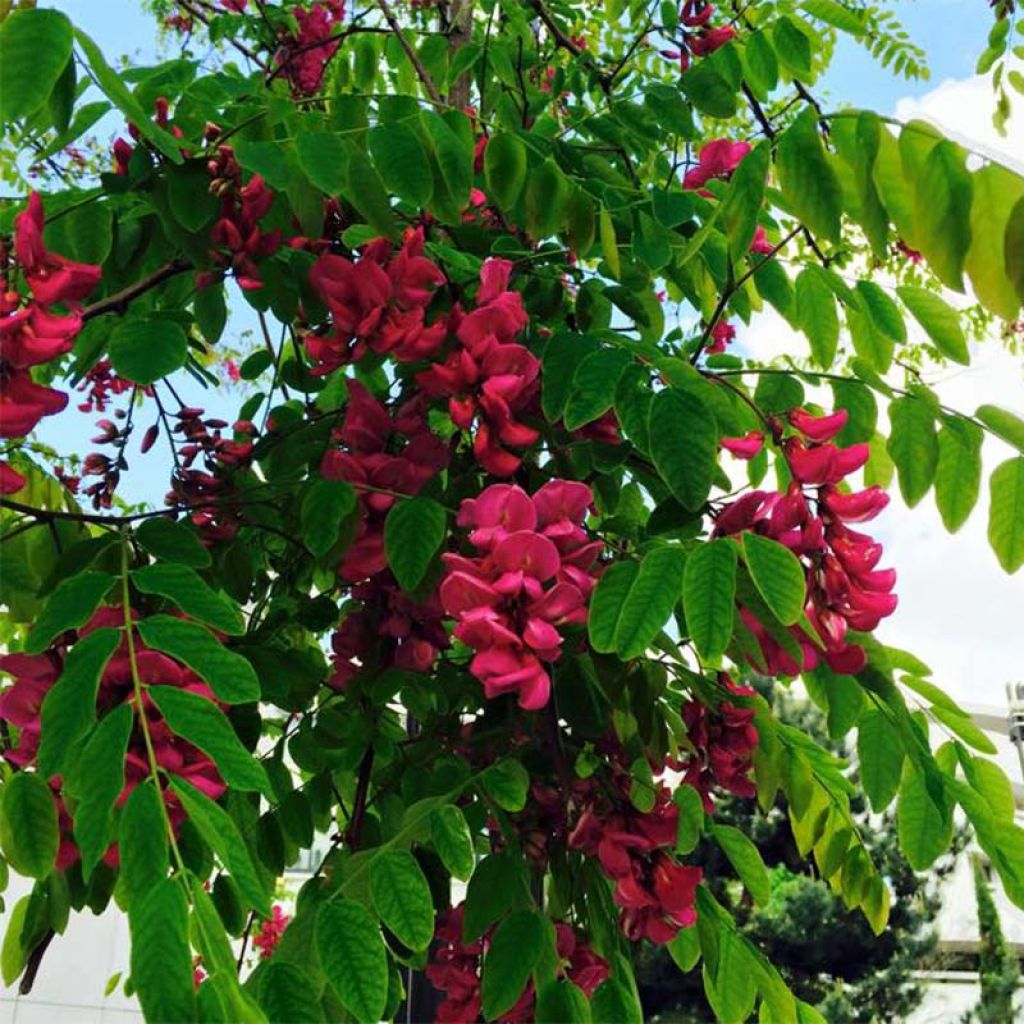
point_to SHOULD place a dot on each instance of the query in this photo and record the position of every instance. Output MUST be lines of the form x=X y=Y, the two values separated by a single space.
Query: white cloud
x=962 y=108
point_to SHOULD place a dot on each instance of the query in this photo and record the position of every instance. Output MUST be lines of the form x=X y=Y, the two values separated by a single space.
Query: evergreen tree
x=828 y=955
x=998 y=973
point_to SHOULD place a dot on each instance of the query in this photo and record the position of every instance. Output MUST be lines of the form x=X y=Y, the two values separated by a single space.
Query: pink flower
x=717 y=159
x=746 y=447
x=818 y=428
x=703 y=43
x=760 y=245
x=52 y=278
x=722 y=334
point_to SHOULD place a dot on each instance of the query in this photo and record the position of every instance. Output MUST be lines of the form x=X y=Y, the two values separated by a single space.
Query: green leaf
x=205 y=726
x=924 y=819
x=146 y=349
x=958 y=471
x=883 y=313
x=942 y=209
x=189 y=197
x=496 y=885
x=940 y=321
x=593 y=386
x=962 y=725
x=402 y=898
x=914 y=446
x=562 y=355
x=173 y=541
x=691 y=818
x=561 y=1002
x=685 y=948
x=709 y=590
x=454 y=158
x=792 y=45
x=505 y=169
x=836 y=15
x=271 y=160
x=808 y=181
x=324 y=159
x=778 y=576
x=746 y=860
x=606 y=604
x=880 y=758
x=287 y=993
x=452 y=841
x=1013 y=244
x=649 y=603
x=142 y=842
x=35 y=47
x=614 y=1001
x=221 y=833
x=507 y=782
x=546 y=194
x=708 y=91
x=743 y=200
x=12 y=955
x=353 y=958
x=325 y=507
x=413 y=532
x=1006 y=513
x=69 y=708
x=609 y=243
x=1003 y=423
x=97 y=781
x=161 y=959
x=515 y=949
x=633 y=404
x=28 y=825
x=684 y=445
x=230 y=676
x=110 y=83
x=816 y=314
x=189 y=591
x=69 y=606
x=996 y=191
x=762 y=64
x=401 y=157
x=367 y=193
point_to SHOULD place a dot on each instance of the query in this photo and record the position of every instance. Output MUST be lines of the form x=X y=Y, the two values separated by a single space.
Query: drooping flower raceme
x=31 y=333
x=812 y=517
x=531 y=577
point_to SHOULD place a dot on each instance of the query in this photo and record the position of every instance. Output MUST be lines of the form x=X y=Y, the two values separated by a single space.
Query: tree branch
x=118 y=302
x=414 y=59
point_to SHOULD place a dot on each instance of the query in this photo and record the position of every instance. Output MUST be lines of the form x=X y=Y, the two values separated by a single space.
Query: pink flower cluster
x=35 y=674
x=654 y=892
x=377 y=304
x=724 y=740
x=703 y=39
x=382 y=457
x=533 y=574
x=123 y=149
x=205 y=489
x=269 y=931
x=456 y=965
x=845 y=590
x=305 y=55
x=716 y=159
x=489 y=379
x=32 y=333
x=240 y=241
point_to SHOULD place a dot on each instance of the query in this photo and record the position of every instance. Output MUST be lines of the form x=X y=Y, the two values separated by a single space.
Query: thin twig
x=424 y=75
x=118 y=302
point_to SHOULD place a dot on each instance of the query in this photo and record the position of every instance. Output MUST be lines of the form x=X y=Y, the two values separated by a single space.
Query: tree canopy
x=467 y=581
